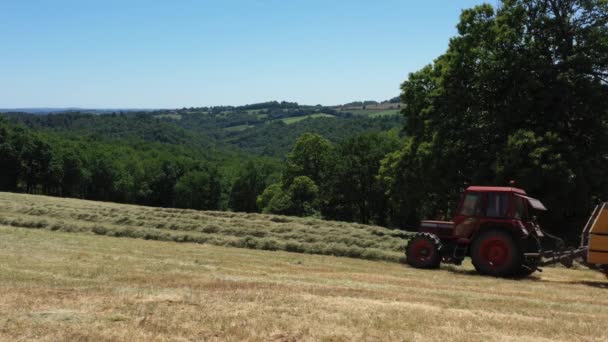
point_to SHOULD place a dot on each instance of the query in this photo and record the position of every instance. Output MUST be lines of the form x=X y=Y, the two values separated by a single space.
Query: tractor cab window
x=521 y=208
x=497 y=204
x=471 y=205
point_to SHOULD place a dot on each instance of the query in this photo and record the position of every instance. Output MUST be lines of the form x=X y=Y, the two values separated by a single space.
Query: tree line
x=121 y=170
x=318 y=178
x=334 y=181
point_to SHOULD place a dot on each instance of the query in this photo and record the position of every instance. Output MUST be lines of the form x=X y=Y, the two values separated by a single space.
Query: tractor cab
x=484 y=206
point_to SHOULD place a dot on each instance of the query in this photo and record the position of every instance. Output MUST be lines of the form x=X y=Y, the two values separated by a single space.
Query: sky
x=182 y=53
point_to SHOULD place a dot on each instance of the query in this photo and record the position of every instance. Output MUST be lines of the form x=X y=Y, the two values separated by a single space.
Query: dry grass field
x=64 y=286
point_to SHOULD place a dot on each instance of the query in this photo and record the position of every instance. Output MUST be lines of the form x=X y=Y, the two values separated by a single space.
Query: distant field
x=238 y=128
x=289 y=121
x=384 y=105
x=169 y=116
x=372 y=110
x=58 y=286
x=254 y=231
x=295 y=119
x=377 y=113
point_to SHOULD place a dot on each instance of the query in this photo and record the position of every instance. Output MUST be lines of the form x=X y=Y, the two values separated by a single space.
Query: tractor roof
x=496 y=189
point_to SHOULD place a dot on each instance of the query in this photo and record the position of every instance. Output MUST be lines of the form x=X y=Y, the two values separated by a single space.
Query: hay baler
x=496 y=227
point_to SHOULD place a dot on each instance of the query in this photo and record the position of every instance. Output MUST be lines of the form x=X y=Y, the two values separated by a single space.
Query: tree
x=263 y=200
x=198 y=190
x=9 y=159
x=521 y=93
x=246 y=189
x=304 y=196
x=162 y=179
x=300 y=198
x=28 y=158
x=311 y=156
x=72 y=169
x=314 y=157
x=102 y=175
x=356 y=194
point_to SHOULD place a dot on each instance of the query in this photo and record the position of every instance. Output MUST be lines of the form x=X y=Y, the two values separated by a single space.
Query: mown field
x=254 y=231
x=57 y=286
x=68 y=274
x=294 y=119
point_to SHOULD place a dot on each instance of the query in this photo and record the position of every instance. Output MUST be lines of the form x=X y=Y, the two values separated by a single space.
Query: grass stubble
x=57 y=285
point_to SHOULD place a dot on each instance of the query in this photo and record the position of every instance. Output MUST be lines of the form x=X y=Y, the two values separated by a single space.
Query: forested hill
x=267 y=129
x=144 y=126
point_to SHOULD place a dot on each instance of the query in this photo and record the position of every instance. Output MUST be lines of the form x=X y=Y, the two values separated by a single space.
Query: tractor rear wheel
x=496 y=253
x=423 y=251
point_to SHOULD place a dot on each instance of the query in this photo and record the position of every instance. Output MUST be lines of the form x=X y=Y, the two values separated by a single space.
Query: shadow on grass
x=534 y=277
x=596 y=284
x=456 y=270
x=590 y=283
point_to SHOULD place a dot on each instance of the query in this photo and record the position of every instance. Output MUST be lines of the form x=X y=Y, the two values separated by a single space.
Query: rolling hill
x=267 y=129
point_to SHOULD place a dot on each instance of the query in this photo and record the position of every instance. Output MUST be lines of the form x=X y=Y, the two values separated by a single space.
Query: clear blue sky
x=167 y=54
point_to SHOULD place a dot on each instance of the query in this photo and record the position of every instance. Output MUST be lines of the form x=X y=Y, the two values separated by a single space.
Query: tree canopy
x=521 y=93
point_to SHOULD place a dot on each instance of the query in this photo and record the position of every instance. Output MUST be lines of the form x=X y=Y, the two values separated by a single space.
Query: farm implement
x=496 y=228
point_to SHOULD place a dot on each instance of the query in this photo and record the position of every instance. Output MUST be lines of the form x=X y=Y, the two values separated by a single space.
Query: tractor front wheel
x=496 y=253
x=423 y=251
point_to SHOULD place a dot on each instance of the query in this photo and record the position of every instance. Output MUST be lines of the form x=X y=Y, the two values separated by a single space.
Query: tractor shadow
x=596 y=284
x=590 y=283
x=533 y=278
x=458 y=270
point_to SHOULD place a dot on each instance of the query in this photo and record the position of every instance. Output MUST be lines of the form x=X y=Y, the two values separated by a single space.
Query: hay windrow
x=243 y=230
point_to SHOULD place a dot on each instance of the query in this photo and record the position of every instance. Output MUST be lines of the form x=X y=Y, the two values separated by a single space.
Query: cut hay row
x=255 y=231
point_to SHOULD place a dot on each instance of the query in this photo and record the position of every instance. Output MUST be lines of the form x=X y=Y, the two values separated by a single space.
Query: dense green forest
x=267 y=129
x=520 y=94
x=126 y=169
x=189 y=158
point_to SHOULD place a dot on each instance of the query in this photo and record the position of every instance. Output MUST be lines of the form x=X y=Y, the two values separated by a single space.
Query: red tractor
x=496 y=227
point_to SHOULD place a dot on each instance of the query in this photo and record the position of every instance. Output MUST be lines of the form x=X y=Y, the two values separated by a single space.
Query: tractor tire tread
x=434 y=239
